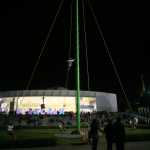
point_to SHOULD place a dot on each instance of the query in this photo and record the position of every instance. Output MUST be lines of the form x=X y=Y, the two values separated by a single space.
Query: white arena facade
x=56 y=101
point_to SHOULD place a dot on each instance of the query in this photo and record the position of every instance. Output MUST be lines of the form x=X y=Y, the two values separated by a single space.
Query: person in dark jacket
x=108 y=130
x=94 y=133
x=119 y=134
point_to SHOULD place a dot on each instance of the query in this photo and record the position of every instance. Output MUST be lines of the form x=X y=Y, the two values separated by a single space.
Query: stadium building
x=56 y=101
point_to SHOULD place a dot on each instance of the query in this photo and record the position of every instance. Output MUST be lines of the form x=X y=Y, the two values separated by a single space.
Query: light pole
x=77 y=68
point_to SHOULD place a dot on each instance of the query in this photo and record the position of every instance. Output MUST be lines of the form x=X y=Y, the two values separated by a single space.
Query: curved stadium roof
x=22 y=93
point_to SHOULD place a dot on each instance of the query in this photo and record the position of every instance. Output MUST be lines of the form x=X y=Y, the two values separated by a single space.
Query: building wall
x=106 y=102
x=58 y=100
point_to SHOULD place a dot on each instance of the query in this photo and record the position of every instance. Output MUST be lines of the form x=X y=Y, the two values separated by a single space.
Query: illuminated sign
x=49 y=111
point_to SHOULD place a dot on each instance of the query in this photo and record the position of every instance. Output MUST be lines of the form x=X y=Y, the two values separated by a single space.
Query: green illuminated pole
x=78 y=68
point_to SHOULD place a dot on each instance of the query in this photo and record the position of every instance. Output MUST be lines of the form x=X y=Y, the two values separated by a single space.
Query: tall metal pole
x=78 y=68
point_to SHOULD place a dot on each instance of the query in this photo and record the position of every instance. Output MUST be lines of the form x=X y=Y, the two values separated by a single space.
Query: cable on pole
x=44 y=45
x=86 y=47
x=42 y=49
x=109 y=54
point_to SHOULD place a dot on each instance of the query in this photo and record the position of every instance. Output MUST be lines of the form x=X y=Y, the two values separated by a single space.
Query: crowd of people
x=69 y=119
x=31 y=120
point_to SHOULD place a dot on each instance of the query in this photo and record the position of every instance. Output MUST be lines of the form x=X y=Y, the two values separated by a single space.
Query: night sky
x=24 y=25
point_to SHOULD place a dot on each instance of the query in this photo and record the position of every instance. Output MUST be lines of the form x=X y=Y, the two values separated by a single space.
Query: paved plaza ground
x=102 y=146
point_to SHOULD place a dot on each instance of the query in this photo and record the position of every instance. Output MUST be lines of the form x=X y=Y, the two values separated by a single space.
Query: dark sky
x=25 y=23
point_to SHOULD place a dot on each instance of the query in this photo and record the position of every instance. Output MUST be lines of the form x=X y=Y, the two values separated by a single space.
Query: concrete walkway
x=101 y=146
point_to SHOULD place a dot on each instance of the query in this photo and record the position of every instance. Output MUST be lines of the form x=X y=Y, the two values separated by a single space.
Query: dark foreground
x=128 y=146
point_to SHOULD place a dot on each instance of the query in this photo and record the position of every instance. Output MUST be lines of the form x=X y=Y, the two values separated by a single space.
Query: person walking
x=119 y=134
x=108 y=130
x=94 y=133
